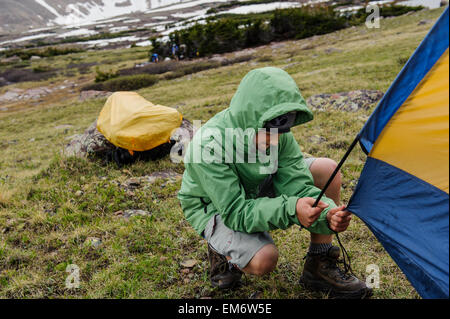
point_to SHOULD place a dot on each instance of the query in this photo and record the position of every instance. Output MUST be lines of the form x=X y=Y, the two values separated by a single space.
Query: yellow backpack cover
x=131 y=122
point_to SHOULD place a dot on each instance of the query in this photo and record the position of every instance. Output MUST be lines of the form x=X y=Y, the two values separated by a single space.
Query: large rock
x=13 y=59
x=92 y=94
x=346 y=101
x=90 y=142
x=16 y=94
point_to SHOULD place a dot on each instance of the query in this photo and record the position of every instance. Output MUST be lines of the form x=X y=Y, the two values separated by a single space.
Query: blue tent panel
x=410 y=218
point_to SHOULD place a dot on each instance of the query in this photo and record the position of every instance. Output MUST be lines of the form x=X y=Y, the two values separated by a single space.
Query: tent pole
x=355 y=141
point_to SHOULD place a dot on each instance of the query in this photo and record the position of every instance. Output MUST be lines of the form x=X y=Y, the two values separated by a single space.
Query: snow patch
x=190 y=14
x=78 y=32
x=31 y=37
x=105 y=42
x=118 y=29
x=257 y=8
x=431 y=4
x=144 y=43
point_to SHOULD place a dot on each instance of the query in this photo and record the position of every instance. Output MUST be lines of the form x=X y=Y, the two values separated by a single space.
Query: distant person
x=183 y=50
x=233 y=204
x=175 y=51
x=155 y=58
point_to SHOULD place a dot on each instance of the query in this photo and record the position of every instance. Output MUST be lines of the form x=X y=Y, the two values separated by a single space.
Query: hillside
x=20 y=15
x=56 y=211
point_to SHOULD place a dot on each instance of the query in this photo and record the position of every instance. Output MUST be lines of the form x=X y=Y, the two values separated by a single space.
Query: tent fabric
x=410 y=218
x=131 y=122
x=424 y=58
x=417 y=128
x=402 y=194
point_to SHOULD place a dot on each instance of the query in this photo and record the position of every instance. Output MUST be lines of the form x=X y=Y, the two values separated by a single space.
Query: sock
x=316 y=249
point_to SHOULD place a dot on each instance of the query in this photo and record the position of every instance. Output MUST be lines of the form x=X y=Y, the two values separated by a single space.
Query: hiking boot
x=321 y=273
x=222 y=274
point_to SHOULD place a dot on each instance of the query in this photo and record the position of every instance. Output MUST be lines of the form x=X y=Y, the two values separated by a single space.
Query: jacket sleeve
x=293 y=178
x=222 y=186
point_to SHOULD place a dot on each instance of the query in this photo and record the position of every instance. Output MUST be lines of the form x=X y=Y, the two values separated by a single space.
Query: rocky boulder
x=346 y=101
x=92 y=94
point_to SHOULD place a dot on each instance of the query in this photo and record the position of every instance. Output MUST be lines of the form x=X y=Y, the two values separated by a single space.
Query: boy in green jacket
x=245 y=175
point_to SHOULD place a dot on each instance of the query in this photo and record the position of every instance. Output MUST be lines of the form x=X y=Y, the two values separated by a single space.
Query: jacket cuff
x=292 y=210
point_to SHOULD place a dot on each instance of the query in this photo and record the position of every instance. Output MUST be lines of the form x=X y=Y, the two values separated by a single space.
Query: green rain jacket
x=229 y=188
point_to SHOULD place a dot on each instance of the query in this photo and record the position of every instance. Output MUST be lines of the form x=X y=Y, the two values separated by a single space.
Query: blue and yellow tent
x=403 y=191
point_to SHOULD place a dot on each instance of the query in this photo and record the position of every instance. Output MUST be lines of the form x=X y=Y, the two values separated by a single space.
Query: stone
x=10 y=95
x=170 y=175
x=35 y=57
x=63 y=127
x=133 y=183
x=93 y=242
x=345 y=101
x=219 y=58
x=3 y=81
x=132 y=212
x=256 y=295
x=90 y=142
x=78 y=193
x=316 y=139
x=332 y=50
x=278 y=45
x=307 y=46
x=189 y=263
x=290 y=65
x=93 y=94
x=422 y=22
x=13 y=59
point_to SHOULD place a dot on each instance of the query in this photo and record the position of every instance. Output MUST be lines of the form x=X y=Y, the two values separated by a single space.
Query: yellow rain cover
x=131 y=122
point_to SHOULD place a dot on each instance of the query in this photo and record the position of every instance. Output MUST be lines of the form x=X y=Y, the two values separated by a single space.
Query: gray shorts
x=241 y=247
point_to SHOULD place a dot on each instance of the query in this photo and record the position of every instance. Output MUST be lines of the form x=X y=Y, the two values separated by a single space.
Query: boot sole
x=319 y=286
x=230 y=286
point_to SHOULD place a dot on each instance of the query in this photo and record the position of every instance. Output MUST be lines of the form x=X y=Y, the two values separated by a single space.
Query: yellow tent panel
x=131 y=122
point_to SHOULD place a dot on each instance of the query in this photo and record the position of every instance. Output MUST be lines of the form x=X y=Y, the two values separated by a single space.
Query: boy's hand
x=339 y=218
x=307 y=214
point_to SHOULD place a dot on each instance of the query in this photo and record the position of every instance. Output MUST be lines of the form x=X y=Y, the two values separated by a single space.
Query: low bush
x=175 y=69
x=26 y=54
x=23 y=75
x=102 y=76
x=154 y=68
x=124 y=83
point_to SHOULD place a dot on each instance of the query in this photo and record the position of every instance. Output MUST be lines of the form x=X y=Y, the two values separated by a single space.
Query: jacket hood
x=264 y=94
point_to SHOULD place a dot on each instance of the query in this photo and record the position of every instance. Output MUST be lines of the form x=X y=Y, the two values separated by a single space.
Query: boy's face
x=265 y=139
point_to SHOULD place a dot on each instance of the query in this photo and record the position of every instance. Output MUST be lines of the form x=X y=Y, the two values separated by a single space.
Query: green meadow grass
x=45 y=220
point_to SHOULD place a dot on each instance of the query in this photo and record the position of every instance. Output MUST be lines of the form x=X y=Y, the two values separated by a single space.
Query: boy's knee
x=321 y=169
x=265 y=260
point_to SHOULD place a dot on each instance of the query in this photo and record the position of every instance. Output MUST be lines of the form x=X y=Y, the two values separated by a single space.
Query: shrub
x=175 y=69
x=104 y=76
x=154 y=68
x=22 y=75
x=124 y=83
x=26 y=54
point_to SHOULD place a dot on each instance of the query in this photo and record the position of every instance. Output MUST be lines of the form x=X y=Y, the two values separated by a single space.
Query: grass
x=50 y=205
